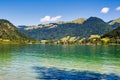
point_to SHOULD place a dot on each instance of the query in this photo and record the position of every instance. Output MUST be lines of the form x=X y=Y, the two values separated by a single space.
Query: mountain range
x=80 y=27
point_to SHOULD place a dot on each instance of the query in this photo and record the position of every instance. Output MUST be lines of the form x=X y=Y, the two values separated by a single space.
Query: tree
x=94 y=39
x=105 y=40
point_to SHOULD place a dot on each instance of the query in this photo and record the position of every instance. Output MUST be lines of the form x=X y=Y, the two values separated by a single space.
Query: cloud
x=50 y=19
x=105 y=10
x=118 y=8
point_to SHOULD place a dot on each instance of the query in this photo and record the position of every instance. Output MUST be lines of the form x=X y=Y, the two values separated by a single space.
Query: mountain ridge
x=92 y=25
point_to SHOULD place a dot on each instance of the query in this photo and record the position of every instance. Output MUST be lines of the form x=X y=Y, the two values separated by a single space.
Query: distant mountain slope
x=10 y=32
x=113 y=34
x=79 y=20
x=52 y=25
x=114 y=23
x=57 y=32
x=92 y=25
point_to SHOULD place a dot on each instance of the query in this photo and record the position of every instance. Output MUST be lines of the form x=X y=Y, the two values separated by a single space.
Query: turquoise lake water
x=19 y=62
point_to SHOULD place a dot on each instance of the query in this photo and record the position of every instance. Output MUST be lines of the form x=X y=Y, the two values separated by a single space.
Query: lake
x=37 y=61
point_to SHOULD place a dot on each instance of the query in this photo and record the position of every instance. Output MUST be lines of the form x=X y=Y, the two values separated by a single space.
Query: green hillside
x=9 y=32
x=53 y=31
x=113 y=34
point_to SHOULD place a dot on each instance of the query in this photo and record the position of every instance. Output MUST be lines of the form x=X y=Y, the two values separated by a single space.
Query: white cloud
x=105 y=10
x=50 y=19
x=45 y=19
x=55 y=18
x=118 y=8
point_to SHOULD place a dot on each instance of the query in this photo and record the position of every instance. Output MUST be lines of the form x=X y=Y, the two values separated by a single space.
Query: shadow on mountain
x=57 y=74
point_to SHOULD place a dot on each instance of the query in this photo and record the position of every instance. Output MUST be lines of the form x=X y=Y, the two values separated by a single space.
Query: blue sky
x=33 y=12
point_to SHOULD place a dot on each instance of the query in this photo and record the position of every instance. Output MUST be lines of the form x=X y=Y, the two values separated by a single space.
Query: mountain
x=113 y=34
x=49 y=33
x=90 y=26
x=10 y=32
x=114 y=23
x=93 y=25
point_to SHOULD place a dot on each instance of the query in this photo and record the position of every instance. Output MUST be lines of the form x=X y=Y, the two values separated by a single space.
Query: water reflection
x=5 y=54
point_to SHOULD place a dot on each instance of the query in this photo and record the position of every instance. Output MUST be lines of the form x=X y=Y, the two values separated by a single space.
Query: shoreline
x=87 y=44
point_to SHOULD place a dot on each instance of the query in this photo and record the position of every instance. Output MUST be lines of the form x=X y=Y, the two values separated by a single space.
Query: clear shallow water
x=17 y=62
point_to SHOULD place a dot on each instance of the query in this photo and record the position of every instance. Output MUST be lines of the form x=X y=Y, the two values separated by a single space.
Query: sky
x=34 y=12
